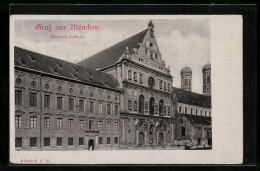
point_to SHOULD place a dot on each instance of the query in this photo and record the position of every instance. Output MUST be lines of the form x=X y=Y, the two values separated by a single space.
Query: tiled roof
x=198 y=119
x=192 y=98
x=39 y=62
x=112 y=54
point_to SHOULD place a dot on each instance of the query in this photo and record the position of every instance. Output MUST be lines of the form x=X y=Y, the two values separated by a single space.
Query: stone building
x=206 y=73
x=147 y=116
x=60 y=105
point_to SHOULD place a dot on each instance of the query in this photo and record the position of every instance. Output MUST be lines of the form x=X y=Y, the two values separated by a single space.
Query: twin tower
x=186 y=79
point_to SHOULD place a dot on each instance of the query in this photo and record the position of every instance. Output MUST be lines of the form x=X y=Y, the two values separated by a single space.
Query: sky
x=182 y=42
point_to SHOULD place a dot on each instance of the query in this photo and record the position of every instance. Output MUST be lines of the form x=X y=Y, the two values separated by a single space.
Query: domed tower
x=186 y=76
x=206 y=72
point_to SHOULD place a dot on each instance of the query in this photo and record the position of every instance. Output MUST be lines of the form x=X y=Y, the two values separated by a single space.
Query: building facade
x=206 y=74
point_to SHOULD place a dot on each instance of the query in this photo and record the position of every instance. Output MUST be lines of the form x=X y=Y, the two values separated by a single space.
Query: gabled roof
x=112 y=54
x=39 y=62
x=198 y=119
x=192 y=98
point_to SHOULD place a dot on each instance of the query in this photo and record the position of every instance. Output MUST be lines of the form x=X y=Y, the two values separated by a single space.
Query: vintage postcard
x=126 y=89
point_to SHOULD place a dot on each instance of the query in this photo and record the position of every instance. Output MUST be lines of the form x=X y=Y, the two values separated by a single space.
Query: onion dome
x=206 y=67
x=186 y=70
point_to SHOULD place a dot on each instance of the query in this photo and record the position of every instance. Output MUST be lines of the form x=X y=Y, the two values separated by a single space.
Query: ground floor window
x=115 y=140
x=80 y=140
x=47 y=141
x=59 y=141
x=108 y=140
x=70 y=141
x=182 y=131
x=33 y=141
x=100 y=140
x=18 y=142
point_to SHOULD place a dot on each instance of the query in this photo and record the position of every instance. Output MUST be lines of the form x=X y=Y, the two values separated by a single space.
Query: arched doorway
x=183 y=131
x=151 y=107
x=91 y=144
x=161 y=105
x=140 y=139
x=141 y=104
x=160 y=139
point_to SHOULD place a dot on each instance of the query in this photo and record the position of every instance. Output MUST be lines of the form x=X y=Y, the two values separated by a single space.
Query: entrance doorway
x=140 y=139
x=91 y=144
x=160 y=141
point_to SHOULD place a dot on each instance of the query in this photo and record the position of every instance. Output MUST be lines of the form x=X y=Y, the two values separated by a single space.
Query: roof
x=186 y=70
x=111 y=55
x=206 y=67
x=198 y=119
x=192 y=98
x=43 y=63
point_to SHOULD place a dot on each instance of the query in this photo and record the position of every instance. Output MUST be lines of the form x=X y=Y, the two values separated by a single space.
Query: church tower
x=206 y=73
x=186 y=77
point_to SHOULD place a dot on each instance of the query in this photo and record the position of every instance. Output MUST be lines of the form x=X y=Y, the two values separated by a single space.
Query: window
x=71 y=104
x=47 y=141
x=151 y=82
x=59 y=122
x=135 y=105
x=100 y=125
x=169 y=87
x=191 y=111
x=129 y=105
x=100 y=108
x=156 y=109
x=33 y=84
x=116 y=126
x=196 y=111
x=100 y=140
x=18 y=97
x=33 y=99
x=70 y=141
x=116 y=109
x=115 y=140
x=165 y=86
x=18 y=121
x=156 y=56
x=81 y=141
x=151 y=55
x=91 y=124
x=59 y=141
x=164 y=110
x=151 y=106
x=161 y=107
x=185 y=82
x=135 y=76
x=205 y=113
x=18 y=142
x=59 y=103
x=33 y=121
x=182 y=131
x=201 y=113
x=160 y=84
x=141 y=78
x=208 y=79
x=141 y=104
x=209 y=114
x=70 y=123
x=180 y=109
x=185 y=110
x=81 y=105
x=109 y=109
x=129 y=75
x=81 y=124
x=46 y=101
x=169 y=110
x=108 y=125
x=91 y=107
x=33 y=141
x=146 y=107
x=46 y=122
x=108 y=140
x=18 y=81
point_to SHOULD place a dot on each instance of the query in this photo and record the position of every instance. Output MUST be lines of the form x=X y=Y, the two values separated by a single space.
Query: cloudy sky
x=181 y=41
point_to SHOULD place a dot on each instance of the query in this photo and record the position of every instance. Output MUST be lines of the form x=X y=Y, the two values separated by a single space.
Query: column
x=164 y=137
x=96 y=144
x=86 y=144
x=137 y=132
x=145 y=137
x=172 y=128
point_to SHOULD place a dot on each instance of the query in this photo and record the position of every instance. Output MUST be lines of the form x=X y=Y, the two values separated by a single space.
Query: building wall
x=181 y=107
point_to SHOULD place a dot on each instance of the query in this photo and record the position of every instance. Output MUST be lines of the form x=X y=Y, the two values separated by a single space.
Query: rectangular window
x=18 y=97
x=70 y=123
x=33 y=99
x=59 y=141
x=81 y=124
x=46 y=101
x=191 y=110
x=33 y=141
x=91 y=124
x=18 y=142
x=59 y=103
x=46 y=122
x=116 y=126
x=115 y=140
x=108 y=125
x=100 y=108
x=47 y=141
x=91 y=107
x=33 y=121
x=18 y=121
x=108 y=140
x=100 y=140
x=209 y=114
x=116 y=109
x=81 y=141
x=59 y=122
x=70 y=141
x=205 y=113
x=100 y=125
x=71 y=104
x=109 y=109
x=81 y=105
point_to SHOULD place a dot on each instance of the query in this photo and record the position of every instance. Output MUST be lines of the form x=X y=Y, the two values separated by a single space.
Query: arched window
x=151 y=106
x=185 y=110
x=189 y=82
x=180 y=109
x=169 y=110
x=135 y=76
x=33 y=84
x=204 y=79
x=208 y=79
x=161 y=107
x=182 y=131
x=141 y=104
x=160 y=84
x=141 y=78
x=151 y=82
x=135 y=105
x=185 y=82
x=156 y=109
x=146 y=107
x=129 y=105
x=151 y=55
x=18 y=81
x=129 y=75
